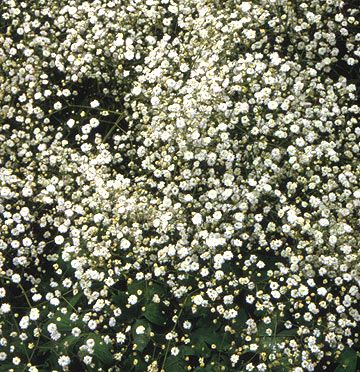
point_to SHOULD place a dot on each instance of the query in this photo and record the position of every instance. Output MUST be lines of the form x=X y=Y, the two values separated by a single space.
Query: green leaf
x=155 y=288
x=205 y=369
x=141 y=340
x=226 y=339
x=64 y=324
x=188 y=350
x=240 y=320
x=10 y=367
x=347 y=361
x=154 y=315
x=75 y=299
x=174 y=364
x=101 y=350
x=286 y=333
x=69 y=343
x=65 y=345
x=128 y=315
x=202 y=350
x=137 y=285
x=120 y=299
x=63 y=321
x=206 y=334
x=206 y=322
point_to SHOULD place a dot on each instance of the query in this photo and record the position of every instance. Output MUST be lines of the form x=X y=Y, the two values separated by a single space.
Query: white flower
x=15 y=278
x=98 y=217
x=324 y=222
x=155 y=101
x=16 y=361
x=124 y=244
x=276 y=294
x=24 y=322
x=197 y=219
x=228 y=255
x=132 y=300
x=272 y=105
x=55 y=301
x=92 y=324
x=321 y=291
x=27 y=242
x=129 y=55
x=198 y=300
x=87 y=359
x=57 y=106
x=95 y=103
x=234 y=359
x=70 y=123
x=76 y=332
x=136 y=90
x=303 y=291
x=64 y=361
x=34 y=314
x=174 y=351
x=184 y=67
x=5 y=308
x=59 y=239
x=24 y=211
x=245 y=6
x=27 y=191
x=228 y=299
x=120 y=338
x=72 y=10
x=36 y=297
x=140 y=330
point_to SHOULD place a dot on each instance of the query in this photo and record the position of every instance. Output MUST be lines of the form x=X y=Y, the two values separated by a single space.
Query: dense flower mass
x=179 y=185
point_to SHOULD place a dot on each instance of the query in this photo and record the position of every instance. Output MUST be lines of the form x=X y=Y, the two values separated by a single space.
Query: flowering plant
x=179 y=185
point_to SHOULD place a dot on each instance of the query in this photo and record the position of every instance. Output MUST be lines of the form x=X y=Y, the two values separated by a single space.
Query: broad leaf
x=154 y=315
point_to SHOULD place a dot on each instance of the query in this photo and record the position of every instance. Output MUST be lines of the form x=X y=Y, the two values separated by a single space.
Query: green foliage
x=141 y=340
x=174 y=364
x=348 y=361
x=102 y=350
x=154 y=314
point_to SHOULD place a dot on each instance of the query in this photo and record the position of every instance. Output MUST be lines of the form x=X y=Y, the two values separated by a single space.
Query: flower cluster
x=179 y=185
